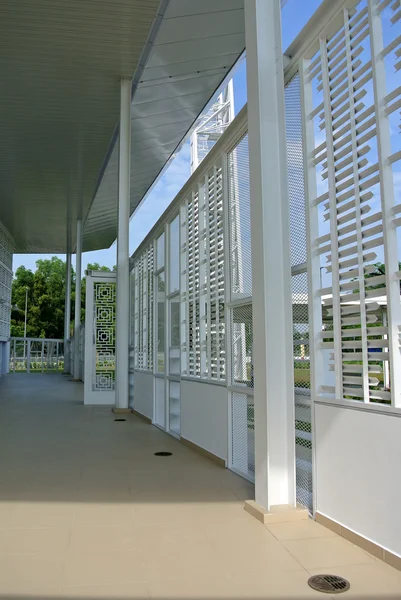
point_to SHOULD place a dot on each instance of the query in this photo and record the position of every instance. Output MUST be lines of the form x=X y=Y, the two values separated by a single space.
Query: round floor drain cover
x=163 y=454
x=119 y=420
x=329 y=584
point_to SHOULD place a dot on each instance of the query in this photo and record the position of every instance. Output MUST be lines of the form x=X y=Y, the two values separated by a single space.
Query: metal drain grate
x=163 y=454
x=329 y=584
x=119 y=420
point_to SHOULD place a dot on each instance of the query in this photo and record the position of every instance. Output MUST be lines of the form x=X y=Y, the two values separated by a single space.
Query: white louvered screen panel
x=6 y=277
x=240 y=221
x=143 y=310
x=202 y=279
x=184 y=287
x=136 y=314
x=150 y=307
x=214 y=273
x=193 y=322
x=349 y=91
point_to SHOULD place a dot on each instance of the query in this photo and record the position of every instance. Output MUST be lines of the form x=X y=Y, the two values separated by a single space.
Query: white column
x=271 y=272
x=122 y=324
x=78 y=275
x=67 y=314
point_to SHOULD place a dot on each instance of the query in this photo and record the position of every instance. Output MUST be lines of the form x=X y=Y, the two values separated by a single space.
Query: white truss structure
x=211 y=126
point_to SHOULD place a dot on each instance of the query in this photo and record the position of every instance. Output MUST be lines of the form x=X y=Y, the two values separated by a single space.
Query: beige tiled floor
x=88 y=511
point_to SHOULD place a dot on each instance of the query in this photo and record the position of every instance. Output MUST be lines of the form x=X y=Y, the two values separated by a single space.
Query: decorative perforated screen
x=105 y=330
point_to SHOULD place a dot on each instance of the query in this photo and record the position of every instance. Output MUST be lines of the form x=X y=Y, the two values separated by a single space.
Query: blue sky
x=295 y=15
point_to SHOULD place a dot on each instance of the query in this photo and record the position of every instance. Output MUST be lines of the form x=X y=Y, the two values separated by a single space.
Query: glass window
x=174 y=255
x=160 y=252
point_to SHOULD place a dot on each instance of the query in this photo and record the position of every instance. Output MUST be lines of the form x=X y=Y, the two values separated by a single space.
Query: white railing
x=36 y=355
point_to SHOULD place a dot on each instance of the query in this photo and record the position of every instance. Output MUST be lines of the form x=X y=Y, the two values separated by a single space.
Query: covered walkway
x=88 y=511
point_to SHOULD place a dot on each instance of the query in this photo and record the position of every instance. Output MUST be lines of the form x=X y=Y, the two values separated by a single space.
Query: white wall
x=358 y=472
x=204 y=416
x=143 y=393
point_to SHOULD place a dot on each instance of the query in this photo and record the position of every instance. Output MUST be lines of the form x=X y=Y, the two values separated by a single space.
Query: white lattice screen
x=351 y=90
x=104 y=320
x=6 y=276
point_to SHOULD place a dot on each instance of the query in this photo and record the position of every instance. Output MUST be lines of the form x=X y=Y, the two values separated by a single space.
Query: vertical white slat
x=183 y=287
x=202 y=186
x=227 y=299
x=333 y=222
x=145 y=310
x=151 y=300
x=188 y=324
x=387 y=200
x=166 y=302
x=154 y=313
x=42 y=354
x=216 y=266
x=358 y=216
x=313 y=258
x=136 y=315
x=193 y=300
x=208 y=289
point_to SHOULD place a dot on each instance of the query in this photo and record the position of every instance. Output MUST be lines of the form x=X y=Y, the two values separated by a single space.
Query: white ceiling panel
x=60 y=63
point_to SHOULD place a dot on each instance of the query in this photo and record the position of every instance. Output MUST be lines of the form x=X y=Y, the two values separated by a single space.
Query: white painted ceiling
x=60 y=65
x=61 y=62
x=196 y=46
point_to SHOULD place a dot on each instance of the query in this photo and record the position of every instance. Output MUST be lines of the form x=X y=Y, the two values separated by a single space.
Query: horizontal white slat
x=370 y=319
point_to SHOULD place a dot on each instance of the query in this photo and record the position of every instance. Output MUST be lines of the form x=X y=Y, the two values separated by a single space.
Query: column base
x=121 y=411
x=281 y=513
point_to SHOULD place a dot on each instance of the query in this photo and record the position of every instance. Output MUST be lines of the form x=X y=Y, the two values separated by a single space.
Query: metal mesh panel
x=296 y=188
x=303 y=453
x=300 y=323
x=299 y=289
x=241 y=346
x=243 y=434
x=6 y=260
x=240 y=221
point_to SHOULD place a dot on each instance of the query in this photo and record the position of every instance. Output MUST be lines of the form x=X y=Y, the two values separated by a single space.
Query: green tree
x=46 y=298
